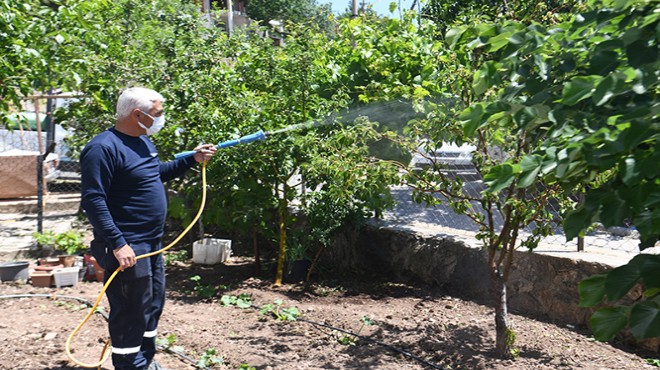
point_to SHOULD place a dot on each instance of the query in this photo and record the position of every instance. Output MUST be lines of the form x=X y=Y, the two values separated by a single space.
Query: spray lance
x=259 y=135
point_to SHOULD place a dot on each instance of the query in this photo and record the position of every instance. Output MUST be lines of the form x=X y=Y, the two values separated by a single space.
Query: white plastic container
x=210 y=251
x=67 y=276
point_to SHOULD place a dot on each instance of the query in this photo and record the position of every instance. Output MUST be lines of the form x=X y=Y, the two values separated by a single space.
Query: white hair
x=137 y=97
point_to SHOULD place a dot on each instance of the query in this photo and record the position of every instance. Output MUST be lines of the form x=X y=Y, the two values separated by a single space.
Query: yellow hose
x=105 y=354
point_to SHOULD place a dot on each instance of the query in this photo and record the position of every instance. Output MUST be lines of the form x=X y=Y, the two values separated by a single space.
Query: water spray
x=383 y=111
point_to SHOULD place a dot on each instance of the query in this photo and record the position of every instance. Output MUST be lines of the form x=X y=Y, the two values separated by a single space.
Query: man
x=124 y=199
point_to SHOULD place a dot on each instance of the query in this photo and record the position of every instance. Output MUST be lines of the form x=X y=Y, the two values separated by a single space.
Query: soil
x=401 y=326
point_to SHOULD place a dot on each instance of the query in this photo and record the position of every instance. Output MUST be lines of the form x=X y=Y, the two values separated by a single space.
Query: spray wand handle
x=259 y=135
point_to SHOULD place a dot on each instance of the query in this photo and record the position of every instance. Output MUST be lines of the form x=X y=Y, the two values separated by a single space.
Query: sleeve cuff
x=191 y=161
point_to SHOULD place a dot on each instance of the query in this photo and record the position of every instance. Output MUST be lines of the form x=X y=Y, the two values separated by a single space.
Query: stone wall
x=540 y=285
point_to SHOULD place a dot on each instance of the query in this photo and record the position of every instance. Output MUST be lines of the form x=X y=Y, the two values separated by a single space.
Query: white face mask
x=158 y=123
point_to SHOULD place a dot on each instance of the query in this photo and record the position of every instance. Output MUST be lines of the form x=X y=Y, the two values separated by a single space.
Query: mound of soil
x=400 y=326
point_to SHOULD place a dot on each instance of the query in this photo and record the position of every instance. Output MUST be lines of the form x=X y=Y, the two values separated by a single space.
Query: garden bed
x=403 y=326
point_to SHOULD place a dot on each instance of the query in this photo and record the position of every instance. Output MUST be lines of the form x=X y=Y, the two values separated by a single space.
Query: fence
x=38 y=178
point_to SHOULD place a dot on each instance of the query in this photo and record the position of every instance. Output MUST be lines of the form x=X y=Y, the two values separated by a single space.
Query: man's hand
x=125 y=256
x=205 y=152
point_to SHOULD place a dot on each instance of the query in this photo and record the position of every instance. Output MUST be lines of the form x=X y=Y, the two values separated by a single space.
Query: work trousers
x=136 y=297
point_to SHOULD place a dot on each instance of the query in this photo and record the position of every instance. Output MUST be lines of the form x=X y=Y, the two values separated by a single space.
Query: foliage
x=169 y=343
x=642 y=317
x=243 y=300
x=204 y=291
x=209 y=358
x=584 y=94
x=175 y=256
x=653 y=361
x=449 y=13
x=71 y=241
x=349 y=340
x=295 y=11
x=278 y=312
x=43 y=45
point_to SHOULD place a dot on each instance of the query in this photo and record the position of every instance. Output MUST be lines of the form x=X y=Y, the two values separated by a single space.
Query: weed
x=653 y=361
x=324 y=291
x=168 y=343
x=349 y=340
x=209 y=358
x=244 y=300
x=175 y=256
x=246 y=367
x=202 y=290
x=280 y=313
x=510 y=340
x=71 y=306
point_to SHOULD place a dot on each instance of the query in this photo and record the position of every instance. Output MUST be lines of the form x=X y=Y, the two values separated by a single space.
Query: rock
x=50 y=336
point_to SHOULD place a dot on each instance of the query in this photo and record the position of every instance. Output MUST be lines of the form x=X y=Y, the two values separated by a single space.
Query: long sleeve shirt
x=122 y=189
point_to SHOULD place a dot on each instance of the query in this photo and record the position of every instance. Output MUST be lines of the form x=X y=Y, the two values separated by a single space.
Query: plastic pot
x=16 y=270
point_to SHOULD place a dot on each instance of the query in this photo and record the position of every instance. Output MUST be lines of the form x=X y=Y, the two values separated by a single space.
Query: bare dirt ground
x=401 y=327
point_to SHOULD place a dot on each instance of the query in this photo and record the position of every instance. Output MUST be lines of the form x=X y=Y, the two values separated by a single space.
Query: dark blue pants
x=137 y=297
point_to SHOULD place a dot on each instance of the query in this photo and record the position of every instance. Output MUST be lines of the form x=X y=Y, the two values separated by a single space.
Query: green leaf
x=578 y=88
x=471 y=119
x=501 y=176
x=453 y=35
x=242 y=303
x=531 y=166
x=499 y=41
x=635 y=133
x=525 y=116
x=603 y=62
x=650 y=270
x=620 y=280
x=592 y=290
x=641 y=52
x=576 y=221
x=614 y=210
x=645 y=320
x=608 y=321
x=484 y=77
x=604 y=90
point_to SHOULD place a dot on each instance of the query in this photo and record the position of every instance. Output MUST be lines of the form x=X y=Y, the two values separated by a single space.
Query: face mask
x=158 y=123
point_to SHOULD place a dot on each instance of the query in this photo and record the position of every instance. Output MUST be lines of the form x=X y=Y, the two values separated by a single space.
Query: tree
x=219 y=87
x=294 y=11
x=584 y=93
x=44 y=45
x=448 y=13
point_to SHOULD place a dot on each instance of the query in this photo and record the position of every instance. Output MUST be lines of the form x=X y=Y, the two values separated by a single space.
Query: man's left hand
x=205 y=152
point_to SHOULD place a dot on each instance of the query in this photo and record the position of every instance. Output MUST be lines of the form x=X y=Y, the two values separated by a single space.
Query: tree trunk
x=283 y=221
x=505 y=337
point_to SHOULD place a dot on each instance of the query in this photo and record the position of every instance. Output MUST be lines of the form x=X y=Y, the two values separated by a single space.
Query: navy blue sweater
x=122 y=187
